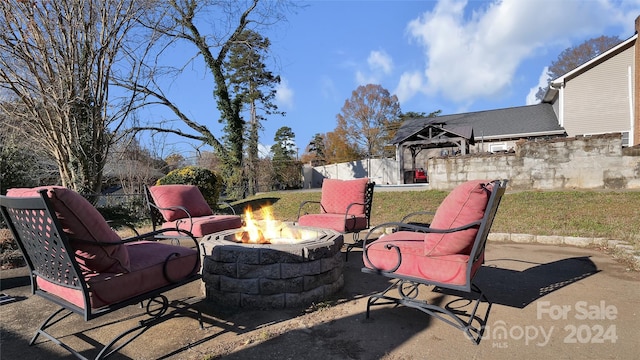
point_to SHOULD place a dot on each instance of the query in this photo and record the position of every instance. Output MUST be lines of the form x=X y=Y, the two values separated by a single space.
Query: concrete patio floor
x=556 y=302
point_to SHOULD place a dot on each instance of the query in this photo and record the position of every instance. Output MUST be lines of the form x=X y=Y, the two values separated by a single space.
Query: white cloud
x=542 y=83
x=284 y=94
x=380 y=64
x=410 y=83
x=476 y=55
x=380 y=61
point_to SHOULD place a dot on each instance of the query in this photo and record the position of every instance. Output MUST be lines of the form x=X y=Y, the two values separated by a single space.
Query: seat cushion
x=337 y=195
x=81 y=221
x=463 y=205
x=335 y=222
x=147 y=269
x=187 y=196
x=445 y=269
x=204 y=225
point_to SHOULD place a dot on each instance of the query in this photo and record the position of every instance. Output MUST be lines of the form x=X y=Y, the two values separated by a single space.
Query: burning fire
x=268 y=230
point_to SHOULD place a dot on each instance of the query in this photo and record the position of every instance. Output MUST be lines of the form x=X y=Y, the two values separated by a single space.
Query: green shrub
x=208 y=183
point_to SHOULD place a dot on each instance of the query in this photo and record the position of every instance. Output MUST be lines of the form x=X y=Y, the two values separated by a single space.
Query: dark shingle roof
x=523 y=121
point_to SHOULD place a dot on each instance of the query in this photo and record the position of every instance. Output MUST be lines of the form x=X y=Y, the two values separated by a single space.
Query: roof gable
x=436 y=133
x=523 y=121
x=555 y=84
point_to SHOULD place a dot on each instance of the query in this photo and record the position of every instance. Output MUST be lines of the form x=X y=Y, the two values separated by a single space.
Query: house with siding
x=601 y=95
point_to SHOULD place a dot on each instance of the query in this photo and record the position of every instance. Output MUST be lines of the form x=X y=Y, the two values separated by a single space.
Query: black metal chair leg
x=45 y=324
x=451 y=317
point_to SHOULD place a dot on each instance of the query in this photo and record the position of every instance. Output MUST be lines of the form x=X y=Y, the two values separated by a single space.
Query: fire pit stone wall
x=271 y=276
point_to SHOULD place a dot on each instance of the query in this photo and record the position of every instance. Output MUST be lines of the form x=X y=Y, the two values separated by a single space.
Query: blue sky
x=450 y=55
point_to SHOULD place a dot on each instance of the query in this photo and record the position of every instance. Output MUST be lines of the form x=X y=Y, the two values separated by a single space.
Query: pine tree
x=254 y=85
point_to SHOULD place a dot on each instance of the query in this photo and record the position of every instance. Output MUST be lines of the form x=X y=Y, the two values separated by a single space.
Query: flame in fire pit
x=270 y=231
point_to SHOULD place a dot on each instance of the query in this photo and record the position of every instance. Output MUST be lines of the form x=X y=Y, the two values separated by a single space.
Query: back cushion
x=80 y=220
x=187 y=196
x=338 y=194
x=464 y=205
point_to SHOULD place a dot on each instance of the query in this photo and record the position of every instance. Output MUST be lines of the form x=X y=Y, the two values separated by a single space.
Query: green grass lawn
x=606 y=214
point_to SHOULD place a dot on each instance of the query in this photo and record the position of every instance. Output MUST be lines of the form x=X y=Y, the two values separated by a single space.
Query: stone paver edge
x=620 y=245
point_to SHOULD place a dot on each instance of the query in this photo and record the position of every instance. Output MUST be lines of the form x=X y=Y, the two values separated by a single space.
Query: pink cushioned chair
x=182 y=207
x=345 y=207
x=79 y=263
x=445 y=254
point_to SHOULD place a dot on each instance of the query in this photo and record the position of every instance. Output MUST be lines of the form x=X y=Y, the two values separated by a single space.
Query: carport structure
x=496 y=130
x=432 y=134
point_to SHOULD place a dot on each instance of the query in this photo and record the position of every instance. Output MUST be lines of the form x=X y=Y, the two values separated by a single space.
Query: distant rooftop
x=522 y=121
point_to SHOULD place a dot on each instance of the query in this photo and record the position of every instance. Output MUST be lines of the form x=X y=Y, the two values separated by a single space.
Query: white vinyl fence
x=382 y=171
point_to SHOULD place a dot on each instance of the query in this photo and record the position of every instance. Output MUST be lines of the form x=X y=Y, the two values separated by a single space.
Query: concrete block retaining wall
x=596 y=162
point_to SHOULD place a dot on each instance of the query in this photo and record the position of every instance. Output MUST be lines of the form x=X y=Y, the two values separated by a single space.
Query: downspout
x=636 y=115
x=560 y=87
x=632 y=117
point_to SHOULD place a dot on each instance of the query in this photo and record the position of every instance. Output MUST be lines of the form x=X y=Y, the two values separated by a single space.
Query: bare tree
x=575 y=56
x=22 y=161
x=133 y=166
x=56 y=58
x=183 y=21
x=365 y=117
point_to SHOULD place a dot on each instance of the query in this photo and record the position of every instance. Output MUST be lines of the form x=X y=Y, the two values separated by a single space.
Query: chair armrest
x=455 y=229
x=114 y=224
x=407 y=227
x=419 y=228
x=173 y=208
x=229 y=205
x=352 y=204
x=176 y=208
x=365 y=250
x=302 y=205
x=396 y=225
x=151 y=235
x=417 y=213
x=142 y=237
x=353 y=216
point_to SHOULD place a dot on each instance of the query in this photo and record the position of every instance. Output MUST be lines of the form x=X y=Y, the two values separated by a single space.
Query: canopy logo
x=594 y=325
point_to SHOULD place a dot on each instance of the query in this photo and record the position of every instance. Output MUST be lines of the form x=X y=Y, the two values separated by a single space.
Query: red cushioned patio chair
x=419 y=175
x=445 y=254
x=182 y=207
x=345 y=207
x=79 y=263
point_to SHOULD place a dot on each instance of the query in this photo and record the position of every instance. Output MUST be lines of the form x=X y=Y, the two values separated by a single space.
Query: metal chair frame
x=408 y=287
x=50 y=256
x=157 y=219
x=368 y=201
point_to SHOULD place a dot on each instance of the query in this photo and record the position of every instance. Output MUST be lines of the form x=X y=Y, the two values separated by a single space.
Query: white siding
x=597 y=101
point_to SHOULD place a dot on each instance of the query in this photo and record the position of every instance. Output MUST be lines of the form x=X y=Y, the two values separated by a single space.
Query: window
x=497 y=147
x=625 y=139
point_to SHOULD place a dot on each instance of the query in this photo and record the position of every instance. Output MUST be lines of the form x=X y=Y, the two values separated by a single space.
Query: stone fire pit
x=272 y=276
